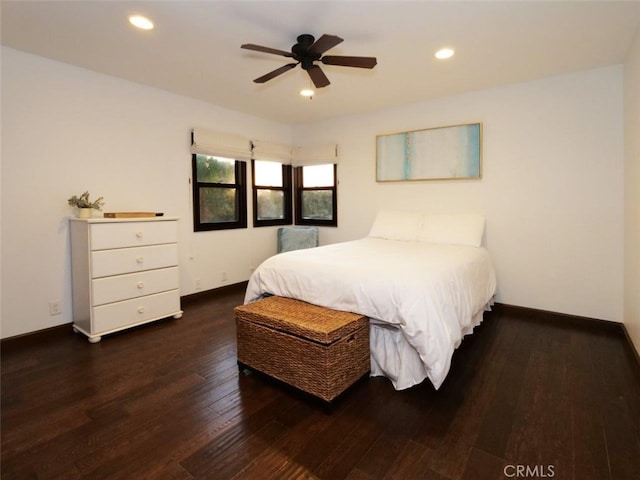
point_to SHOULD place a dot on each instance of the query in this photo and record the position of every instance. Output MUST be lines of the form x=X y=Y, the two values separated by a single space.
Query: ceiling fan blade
x=259 y=48
x=318 y=77
x=324 y=43
x=275 y=73
x=360 y=62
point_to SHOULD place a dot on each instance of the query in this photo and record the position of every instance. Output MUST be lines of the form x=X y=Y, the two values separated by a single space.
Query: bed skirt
x=393 y=357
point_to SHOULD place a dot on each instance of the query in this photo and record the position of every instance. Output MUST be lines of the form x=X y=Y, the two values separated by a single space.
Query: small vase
x=85 y=212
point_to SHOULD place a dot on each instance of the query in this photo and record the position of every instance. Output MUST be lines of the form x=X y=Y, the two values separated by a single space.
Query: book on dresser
x=124 y=273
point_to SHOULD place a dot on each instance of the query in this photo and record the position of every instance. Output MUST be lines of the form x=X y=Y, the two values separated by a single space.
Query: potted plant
x=84 y=205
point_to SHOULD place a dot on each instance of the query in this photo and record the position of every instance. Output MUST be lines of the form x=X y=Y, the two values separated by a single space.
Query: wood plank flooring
x=528 y=396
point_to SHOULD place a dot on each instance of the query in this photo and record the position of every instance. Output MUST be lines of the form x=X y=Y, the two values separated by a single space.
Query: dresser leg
x=178 y=315
x=94 y=339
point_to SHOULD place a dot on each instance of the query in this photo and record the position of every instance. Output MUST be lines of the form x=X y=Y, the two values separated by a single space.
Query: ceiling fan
x=307 y=51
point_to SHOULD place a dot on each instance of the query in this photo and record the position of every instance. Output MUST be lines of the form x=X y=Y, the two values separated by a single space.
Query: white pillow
x=394 y=225
x=454 y=229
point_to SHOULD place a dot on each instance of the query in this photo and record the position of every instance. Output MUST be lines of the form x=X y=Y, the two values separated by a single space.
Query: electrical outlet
x=198 y=284
x=54 y=307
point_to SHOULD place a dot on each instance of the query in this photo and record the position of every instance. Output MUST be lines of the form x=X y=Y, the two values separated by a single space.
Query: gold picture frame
x=452 y=152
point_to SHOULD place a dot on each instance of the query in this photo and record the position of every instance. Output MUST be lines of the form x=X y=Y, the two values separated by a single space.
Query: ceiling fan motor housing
x=301 y=51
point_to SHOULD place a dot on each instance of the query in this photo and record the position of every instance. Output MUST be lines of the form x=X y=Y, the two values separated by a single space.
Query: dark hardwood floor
x=527 y=396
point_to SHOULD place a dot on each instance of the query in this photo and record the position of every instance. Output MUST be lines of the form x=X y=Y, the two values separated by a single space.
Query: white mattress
x=422 y=298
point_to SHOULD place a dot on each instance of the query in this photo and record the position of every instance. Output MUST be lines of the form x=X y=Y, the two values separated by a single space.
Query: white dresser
x=124 y=273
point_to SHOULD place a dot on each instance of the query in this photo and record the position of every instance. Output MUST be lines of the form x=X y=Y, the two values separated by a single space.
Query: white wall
x=551 y=188
x=66 y=130
x=632 y=193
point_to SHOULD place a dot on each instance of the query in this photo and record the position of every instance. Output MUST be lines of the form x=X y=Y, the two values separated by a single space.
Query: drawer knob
x=139 y=259
x=139 y=234
x=140 y=285
x=140 y=309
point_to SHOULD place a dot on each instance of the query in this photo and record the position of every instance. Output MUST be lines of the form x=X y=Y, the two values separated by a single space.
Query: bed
x=424 y=281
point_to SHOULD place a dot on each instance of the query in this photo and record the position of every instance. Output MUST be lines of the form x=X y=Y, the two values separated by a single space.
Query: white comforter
x=434 y=294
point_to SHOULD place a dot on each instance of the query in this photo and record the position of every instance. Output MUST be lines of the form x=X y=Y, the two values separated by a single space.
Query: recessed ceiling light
x=444 y=53
x=307 y=92
x=141 y=22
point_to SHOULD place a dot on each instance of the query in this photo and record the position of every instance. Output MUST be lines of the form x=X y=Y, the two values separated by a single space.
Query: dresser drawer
x=129 y=260
x=132 y=285
x=131 y=234
x=138 y=310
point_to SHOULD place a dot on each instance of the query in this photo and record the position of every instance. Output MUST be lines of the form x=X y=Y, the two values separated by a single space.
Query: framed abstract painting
x=442 y=153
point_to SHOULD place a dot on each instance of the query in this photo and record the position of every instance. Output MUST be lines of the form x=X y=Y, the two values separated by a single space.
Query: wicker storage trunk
x=314 y=349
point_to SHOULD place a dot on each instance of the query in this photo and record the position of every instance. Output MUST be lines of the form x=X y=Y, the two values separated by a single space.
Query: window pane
x=317 y=204
x=270 y=205
x=317 y=176
x=268 y=174
x=215 y=169
x=218 y=205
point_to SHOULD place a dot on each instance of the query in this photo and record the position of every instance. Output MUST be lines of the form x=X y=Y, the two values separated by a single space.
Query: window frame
x=241 y=198
x=299 y=189
x=287 y=189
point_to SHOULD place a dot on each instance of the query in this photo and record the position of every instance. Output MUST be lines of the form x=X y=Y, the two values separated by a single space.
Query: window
x=219 y=193
x=271 y=193
x=316 y=195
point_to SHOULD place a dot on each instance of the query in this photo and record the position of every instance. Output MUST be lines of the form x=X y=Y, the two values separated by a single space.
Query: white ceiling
x=195 y=48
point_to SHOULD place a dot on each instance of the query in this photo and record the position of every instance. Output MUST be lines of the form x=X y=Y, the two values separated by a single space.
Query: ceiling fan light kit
x=444 y=53
x=306 y=52
x=141 y=22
